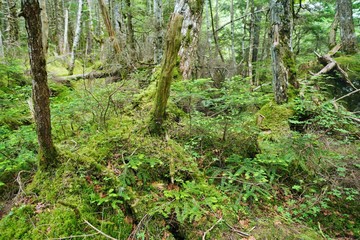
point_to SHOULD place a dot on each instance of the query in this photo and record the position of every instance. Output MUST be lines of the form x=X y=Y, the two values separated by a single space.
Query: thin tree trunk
x=59 y=23
x=109 y=27
x=232 y=33
x=215 y=34
x=173 y=43
x=66 y=31
x=89 y=38
x=44 y=25
x=130 y=30
x=76 y=38
x=158 y=41
x=13 y=25
x=283 y=63
x=1 y=46
x=40 y=91
x=346 y=23
x=251 y=44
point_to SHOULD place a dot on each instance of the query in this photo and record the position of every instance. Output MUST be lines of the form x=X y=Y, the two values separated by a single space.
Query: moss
x=273 y=118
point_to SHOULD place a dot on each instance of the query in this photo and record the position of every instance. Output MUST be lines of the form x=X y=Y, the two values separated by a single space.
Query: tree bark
x=109 y=27
x=333 y=30
x=40 y=91
x=283 y=63
x=192 y=13
x=158 y=40
x=346 y=23
x=215 y=33
x=1 y=46
x=130 y=30
x=66 y=31
x=76 y=38
x=13 y=25
x=173 y=43
x=44 y=25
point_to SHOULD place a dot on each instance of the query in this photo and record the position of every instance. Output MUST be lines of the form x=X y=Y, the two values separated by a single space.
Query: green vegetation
x=232 y=160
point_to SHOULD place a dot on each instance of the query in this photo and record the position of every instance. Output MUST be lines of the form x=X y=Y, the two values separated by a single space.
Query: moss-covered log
x=173 y=42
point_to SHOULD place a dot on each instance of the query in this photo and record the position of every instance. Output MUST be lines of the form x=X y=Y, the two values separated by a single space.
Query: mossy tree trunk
x=13 y=25
x=40 y=91
x=173 y=43
x=346 y=23
x=283 y=61
x=191 y=26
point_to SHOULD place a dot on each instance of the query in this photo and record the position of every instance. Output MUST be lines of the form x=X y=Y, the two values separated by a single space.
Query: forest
x=179 y=119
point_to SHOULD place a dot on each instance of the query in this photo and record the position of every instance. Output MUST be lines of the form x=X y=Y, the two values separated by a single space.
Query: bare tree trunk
x=1 y=46
x=346 y=23
x=251 y=44
x=40 y=91
x=59 y=23
x=13 y=25
x=130 y=30
x=66 y=31
x=214 y=33
x=76 y=38
x=232 y=33
x=44 y=25
x=158 y=41
x=333 y=30
x=283 y=63
x=255 y=42
x=109 y=27
x=89 y=38
x=173 y=43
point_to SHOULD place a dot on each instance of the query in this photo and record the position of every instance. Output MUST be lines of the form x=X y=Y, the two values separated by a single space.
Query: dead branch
x=351 y=93
x=90 y=75
x=102 y=233
x=330 y=64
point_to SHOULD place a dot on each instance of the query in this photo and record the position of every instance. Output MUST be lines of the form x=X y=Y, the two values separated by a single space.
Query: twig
x=212 y=227
x=238 y=231
x=21 y=185
x=102 y=233
x=76 y=236
x=357 y=90
x=321 y=232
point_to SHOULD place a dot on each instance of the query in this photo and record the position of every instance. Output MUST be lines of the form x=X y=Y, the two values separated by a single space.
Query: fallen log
x=91 y=75
x=330 y=64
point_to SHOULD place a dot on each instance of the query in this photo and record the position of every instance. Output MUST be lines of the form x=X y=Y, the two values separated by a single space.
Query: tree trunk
x=90 y=33
x=40 y=91
x=44 y=25
x=13 y=25
x=232 y=33
x=76 y=38
x=130 y=30
x=256 y=33
x=173 y=43
x=346 y=23
x=215 y=33
x=109 y=27
x=283 y=64
x=333 y=30
x=192 y=13
x=66 y=31
x=1 y=46
x=158 y=41
x=59 y=23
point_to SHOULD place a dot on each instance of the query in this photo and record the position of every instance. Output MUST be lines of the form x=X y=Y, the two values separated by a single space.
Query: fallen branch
x=330 y=64
x=90 y=75
x=237 y=231
x=102 y=233
x=351 y=93
x=212 y=227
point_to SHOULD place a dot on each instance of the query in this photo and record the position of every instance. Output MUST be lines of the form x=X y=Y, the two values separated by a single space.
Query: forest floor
x=232 y=164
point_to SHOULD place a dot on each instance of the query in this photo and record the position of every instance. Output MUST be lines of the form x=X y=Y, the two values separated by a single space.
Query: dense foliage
x=232 y=163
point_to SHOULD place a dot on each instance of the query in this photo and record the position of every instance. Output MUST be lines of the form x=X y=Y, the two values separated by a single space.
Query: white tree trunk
x=76 y=38
x=158 y=41
x=66 y=29
x=44 y=25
